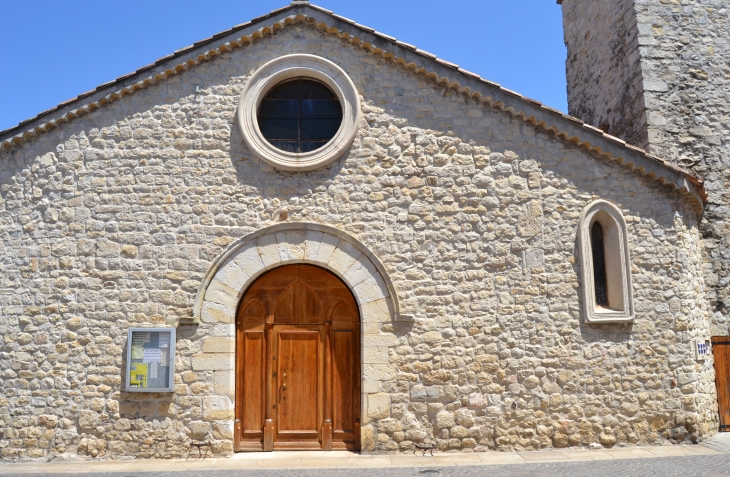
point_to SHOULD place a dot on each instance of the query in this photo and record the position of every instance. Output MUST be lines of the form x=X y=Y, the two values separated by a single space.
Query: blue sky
x=55 y=50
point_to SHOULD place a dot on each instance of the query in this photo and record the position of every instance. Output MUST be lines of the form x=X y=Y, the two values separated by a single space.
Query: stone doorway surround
x=251 y=256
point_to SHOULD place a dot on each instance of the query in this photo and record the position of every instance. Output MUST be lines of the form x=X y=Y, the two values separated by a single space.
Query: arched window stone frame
x=618 y=264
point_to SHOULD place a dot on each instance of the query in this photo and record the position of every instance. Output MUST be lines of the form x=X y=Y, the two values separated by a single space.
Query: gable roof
x=551 y=121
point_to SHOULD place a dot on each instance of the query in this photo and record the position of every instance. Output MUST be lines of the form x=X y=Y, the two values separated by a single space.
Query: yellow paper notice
x=138 y=375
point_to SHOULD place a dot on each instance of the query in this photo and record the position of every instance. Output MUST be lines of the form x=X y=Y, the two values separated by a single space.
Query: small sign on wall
x=702 y=349
x=150 y=360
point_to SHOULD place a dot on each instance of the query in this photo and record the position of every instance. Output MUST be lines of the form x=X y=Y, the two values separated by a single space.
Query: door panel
x=298 y=354
x=297 y=362
x=254 y=380
x=343 y=374
x=309 y=306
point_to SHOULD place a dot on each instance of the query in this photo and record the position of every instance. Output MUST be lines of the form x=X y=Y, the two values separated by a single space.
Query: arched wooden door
x=298 y=363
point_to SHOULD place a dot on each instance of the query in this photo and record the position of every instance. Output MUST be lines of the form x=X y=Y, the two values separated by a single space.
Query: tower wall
x=657 y=74
x=605 y=85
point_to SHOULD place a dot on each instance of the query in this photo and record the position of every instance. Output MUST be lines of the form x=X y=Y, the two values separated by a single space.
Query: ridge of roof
x=440 y=71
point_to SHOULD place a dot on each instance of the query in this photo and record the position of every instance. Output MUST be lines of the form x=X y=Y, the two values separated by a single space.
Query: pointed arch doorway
x=297 y=363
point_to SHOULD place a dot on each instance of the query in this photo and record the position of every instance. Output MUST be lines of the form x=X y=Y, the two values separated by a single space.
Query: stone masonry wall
x=605 y=84
x=685 y=50
x=113 y=220
x=683 y=58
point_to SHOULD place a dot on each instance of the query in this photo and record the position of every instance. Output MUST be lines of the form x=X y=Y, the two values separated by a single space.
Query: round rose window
x=299 y=115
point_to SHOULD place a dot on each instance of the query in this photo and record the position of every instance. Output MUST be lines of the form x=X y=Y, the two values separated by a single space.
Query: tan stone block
x=296 y=241
x=129 y=251
x=370 y=328
x=378 y=406
x=367 y=438
x=219 y=345
x=370 y=386
x=107 y=249
x=369 y=290
x=312 y=241
x=223 y=430
x=213 y=362
x=231 y=275
x=268 y=248
x=224 y=383
x=382 y=339
x=188 y=377
x=377 y=373
x=326 y=248
x=217 y=313
x=375 y=354
x=376 y=312
x=343 y=256
x=220 y=293
x=283 y=246
x=360 y=270
x=67 y=215
x=249 y=260
x=217 y=408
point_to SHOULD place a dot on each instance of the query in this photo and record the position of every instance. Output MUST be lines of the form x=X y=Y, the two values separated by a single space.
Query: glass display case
x=150 y=360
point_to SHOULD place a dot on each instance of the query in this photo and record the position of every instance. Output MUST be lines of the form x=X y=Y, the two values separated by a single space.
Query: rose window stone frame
x=298 y=66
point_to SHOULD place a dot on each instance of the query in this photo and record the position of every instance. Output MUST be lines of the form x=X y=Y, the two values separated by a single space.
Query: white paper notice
x=153 y=370
x=152 y=355
x=164 y=340
x=141 y=336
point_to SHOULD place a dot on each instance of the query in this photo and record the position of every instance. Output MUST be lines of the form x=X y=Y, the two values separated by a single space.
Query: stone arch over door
x=245 y=260
x=249 y=257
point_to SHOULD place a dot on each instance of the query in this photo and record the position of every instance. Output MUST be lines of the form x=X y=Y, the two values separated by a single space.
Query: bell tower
x=656 y=73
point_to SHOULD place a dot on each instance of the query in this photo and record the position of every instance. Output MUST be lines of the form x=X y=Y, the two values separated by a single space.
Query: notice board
x=150 y=360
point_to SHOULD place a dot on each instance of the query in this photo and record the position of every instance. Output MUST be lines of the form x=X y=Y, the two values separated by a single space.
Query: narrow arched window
x=605 y=264
x=599 y=265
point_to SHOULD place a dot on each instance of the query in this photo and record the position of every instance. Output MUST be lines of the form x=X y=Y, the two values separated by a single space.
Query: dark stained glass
x=599 y=265
x=299 y=115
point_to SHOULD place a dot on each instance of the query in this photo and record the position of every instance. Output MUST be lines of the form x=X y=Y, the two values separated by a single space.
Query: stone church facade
x=454 y=219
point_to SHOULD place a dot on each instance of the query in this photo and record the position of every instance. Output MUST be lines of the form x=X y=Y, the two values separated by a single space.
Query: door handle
x=284 y=386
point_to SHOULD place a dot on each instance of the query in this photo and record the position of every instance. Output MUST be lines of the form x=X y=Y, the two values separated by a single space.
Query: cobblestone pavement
x=685 y=466
x=719 y=442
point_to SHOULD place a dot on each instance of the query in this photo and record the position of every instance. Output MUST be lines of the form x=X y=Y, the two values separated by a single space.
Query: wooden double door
x=298 y=363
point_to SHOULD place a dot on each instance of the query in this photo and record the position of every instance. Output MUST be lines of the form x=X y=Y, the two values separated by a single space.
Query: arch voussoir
x=249 y=257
